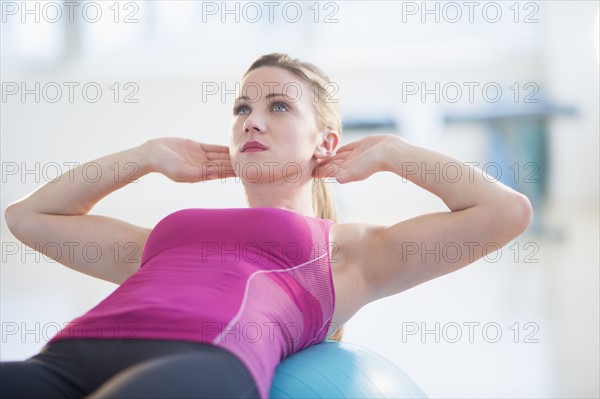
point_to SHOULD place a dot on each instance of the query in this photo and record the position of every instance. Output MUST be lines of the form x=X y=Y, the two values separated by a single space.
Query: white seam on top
x=240 y=311
x=320 y=329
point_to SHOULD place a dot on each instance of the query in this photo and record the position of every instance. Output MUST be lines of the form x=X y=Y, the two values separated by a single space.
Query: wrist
x=142 y=155
x=395 y=153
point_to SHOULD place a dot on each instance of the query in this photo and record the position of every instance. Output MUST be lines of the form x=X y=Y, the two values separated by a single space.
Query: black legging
x=127 y=369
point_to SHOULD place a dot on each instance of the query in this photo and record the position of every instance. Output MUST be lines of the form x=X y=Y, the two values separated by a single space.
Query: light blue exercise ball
x=334 y=369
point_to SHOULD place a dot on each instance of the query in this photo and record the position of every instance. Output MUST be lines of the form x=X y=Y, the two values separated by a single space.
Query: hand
x=357 y=160
x=183 y=160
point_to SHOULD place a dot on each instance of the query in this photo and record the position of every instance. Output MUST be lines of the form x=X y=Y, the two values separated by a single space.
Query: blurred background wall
x=512 y=86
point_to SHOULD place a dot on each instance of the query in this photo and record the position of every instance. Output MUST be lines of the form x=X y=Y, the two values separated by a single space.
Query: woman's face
x=275 y=108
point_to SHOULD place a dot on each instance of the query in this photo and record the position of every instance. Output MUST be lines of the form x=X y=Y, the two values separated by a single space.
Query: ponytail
x=325 y=208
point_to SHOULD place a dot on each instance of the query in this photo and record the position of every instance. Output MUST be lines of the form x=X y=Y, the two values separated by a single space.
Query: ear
x=328 y=145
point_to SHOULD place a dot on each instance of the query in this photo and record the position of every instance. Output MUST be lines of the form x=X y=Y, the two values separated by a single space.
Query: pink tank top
x=254 y=281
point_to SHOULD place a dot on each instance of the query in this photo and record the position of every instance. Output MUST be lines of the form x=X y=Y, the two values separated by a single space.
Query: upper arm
x=99 y=246
x=416 y=250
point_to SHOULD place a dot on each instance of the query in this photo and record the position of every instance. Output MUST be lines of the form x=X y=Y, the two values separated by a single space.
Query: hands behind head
x=187 y=161
x=357 y=160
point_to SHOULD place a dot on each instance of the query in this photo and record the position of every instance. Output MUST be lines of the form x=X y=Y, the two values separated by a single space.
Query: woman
x=215 y=298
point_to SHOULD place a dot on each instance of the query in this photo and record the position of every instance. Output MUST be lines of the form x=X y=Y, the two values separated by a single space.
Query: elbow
x=12 y=216
x=519 y=214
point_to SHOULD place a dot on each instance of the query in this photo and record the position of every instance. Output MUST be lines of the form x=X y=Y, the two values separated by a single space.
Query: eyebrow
x=270 y=95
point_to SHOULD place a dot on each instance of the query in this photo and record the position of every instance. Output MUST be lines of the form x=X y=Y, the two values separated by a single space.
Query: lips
x=253 y=145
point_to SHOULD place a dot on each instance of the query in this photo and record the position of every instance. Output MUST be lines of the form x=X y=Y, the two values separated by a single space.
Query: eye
x=279 y=106
x=237 y=110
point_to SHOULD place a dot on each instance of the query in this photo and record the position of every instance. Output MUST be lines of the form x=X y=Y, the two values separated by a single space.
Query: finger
x=214 y=156
x=214 y=148
x=230 y=174
x=340 y=155
x=213 y=174
x=225 y=172
x=348 y=147
x=327 y=170
x=336 y=158
x=226 y=167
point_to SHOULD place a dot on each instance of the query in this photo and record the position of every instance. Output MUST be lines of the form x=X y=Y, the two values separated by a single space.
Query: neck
x=295 y=197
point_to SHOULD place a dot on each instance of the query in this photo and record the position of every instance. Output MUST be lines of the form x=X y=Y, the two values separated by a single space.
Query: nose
x=253 y=125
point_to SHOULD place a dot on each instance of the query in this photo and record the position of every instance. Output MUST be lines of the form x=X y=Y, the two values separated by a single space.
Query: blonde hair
x=329 y=116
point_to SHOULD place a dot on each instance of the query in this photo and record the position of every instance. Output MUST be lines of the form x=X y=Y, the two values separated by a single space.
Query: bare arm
x=483 y=215
x=56 y=214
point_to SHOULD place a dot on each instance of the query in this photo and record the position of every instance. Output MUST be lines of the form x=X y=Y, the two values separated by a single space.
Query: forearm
x=455 y=182
x=76 y=191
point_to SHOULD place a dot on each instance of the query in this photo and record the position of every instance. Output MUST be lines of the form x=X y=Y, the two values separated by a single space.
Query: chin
x=267 y=171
